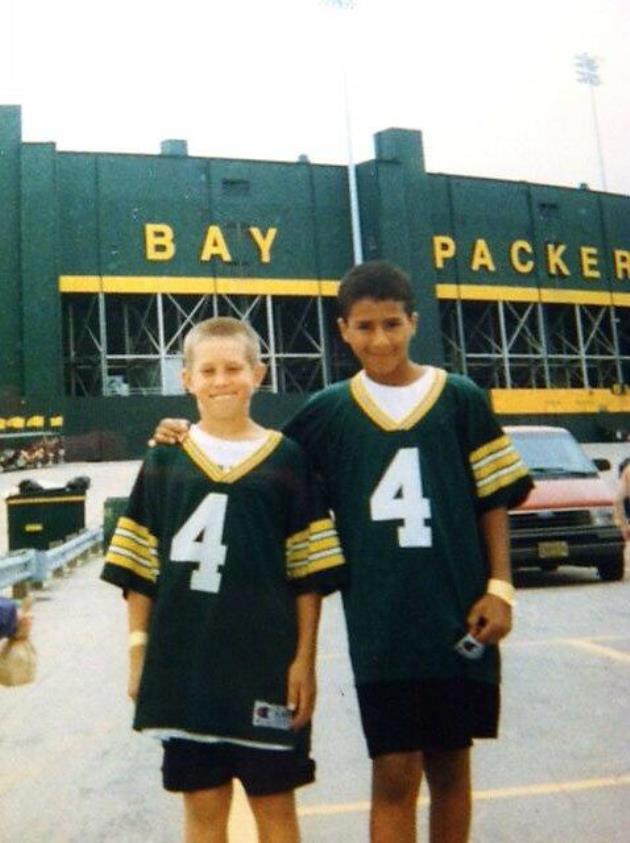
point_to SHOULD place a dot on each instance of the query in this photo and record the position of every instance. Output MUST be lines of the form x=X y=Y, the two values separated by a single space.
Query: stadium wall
x=489 y=260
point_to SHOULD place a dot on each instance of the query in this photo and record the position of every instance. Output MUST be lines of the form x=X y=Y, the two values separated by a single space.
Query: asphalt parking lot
x=71 y=770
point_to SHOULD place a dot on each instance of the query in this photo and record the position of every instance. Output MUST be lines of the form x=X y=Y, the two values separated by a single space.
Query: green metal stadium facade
x=107 y=259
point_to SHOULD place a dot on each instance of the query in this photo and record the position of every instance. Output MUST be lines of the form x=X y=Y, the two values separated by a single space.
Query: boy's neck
x=402 y=377
x=244 y=428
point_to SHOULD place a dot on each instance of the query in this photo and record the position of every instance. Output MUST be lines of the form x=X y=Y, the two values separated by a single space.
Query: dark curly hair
x=379 y=280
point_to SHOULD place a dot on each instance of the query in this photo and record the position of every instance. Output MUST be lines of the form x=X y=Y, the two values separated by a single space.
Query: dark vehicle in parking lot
x=568 y=517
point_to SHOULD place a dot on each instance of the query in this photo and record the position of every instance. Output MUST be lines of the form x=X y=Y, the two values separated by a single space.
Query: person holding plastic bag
x=17 y=654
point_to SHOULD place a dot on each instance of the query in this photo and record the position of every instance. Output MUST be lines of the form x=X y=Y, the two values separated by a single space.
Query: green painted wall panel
x=331 y=215
x=78 y=247
x=11 y=371
x=41 y=306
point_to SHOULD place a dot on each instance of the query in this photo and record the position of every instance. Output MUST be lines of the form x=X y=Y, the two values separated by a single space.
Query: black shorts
x=193 y=765
x=431 y=714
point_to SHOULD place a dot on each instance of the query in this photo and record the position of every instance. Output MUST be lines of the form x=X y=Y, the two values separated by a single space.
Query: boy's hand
x=490 y=619
x=170 y=431
x=301 y=692
x=136 y=665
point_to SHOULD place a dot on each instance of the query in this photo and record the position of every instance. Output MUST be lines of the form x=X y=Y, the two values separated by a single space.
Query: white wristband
x=503 y=590
x=138 y=638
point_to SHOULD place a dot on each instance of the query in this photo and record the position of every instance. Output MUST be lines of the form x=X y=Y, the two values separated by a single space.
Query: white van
x=568 y=517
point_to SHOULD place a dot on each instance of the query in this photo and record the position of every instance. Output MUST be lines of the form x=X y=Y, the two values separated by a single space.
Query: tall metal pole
x=355 y=219
x=587 y=69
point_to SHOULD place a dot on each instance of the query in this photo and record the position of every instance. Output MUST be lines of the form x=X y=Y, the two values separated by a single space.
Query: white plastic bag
x=18 y=661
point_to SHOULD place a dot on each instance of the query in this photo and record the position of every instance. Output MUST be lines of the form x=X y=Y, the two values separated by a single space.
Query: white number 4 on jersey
x=398 y=497
x=200 y=539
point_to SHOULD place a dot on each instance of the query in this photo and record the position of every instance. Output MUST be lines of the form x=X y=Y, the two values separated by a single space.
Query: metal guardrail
x=35 y=566
x=17 y=567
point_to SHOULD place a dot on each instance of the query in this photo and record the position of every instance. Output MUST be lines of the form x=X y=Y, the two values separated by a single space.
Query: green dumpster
x=38 y=517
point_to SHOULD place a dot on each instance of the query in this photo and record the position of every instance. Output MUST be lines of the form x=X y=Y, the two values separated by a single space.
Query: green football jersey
x=406 y=497
x=223 y=554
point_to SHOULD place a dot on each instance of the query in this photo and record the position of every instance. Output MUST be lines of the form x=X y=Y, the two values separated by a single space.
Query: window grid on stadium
x=532 y=345
x=132 y=344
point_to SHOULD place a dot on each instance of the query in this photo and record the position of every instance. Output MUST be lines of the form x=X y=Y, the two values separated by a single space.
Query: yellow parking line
x=328 y=810
x=591 y=647
x=543 y=789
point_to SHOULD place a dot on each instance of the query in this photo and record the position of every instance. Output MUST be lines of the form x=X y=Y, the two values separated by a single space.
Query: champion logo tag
x=271 y=716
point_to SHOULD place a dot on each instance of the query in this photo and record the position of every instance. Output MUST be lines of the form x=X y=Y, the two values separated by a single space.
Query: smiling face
x=379 y=332
x=223 y=377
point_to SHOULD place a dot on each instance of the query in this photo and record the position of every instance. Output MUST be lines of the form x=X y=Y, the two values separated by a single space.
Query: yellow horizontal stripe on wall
x=554 y=296
x=541 y=401
x=134 y=284
x=488 y=292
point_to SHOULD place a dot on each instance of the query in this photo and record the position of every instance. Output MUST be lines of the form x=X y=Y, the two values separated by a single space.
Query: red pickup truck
x=568 y=517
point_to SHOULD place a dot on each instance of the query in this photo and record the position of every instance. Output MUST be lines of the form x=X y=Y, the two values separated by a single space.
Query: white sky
x=490 y=83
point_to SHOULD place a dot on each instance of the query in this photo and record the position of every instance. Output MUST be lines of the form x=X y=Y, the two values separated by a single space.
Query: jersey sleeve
x=132 y=562
x=314 y=560
x=498 y=474
x=311 y=427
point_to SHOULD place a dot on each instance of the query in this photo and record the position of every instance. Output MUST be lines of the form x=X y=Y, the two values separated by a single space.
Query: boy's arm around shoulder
x=169 y=432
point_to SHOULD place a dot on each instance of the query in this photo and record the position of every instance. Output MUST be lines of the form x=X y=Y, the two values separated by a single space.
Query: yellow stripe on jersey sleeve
x=314 y=549
x=495 y=465
x=135 y=548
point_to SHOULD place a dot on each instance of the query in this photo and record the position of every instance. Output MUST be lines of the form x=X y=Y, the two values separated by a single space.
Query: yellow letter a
x=215 y=244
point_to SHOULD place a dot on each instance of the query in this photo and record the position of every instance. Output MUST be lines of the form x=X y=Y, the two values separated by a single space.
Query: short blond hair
x=222 y=326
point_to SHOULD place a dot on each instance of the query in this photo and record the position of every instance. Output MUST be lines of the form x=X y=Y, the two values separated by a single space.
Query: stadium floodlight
x=355 y=220
x=587 y=69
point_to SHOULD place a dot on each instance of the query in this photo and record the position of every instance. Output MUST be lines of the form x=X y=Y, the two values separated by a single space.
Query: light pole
x=587 y=68
x=346 y=6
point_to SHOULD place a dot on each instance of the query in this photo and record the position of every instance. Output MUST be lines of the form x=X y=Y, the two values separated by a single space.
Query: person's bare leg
x=395 y=785
x=276 y=817
x=206 y=814
x=448 y=777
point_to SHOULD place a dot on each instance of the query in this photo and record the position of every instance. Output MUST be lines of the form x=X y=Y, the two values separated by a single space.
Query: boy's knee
x=448 y=771
x=396 y=778
x=279 y=807
x=209 y=807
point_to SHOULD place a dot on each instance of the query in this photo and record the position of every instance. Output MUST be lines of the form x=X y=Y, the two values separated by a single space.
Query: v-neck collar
x=369 y=406
x=240 y=469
